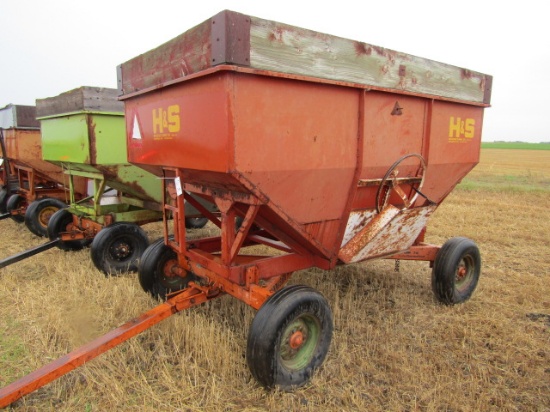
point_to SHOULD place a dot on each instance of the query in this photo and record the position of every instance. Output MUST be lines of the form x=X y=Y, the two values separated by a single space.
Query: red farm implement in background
x=25 y=177
x=326 y=151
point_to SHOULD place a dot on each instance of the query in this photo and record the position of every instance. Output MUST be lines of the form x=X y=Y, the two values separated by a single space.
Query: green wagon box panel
x=87 y=138
x=84 y=131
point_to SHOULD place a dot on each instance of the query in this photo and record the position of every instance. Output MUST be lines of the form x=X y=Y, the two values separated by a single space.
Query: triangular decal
x=136 y=132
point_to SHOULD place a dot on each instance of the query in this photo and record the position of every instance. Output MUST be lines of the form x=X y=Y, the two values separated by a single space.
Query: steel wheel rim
x=464 y=273
x=299 y=341
x=45 y=215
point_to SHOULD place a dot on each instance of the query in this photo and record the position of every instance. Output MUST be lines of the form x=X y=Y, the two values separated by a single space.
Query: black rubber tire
x=39 y=213
x=16 y=201
x=286 y=314
x=57 y=224
x=3 y=201
x=118 y=248
x=456 y=271
x=195 y=222
x=156 y=261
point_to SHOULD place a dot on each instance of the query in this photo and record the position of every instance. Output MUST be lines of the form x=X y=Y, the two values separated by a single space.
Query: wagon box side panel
x=297 y=143
x=187 y=125
x=25 y=151
x=454 y=146
x=394 y=127
x=107 y=137
x=65 y=139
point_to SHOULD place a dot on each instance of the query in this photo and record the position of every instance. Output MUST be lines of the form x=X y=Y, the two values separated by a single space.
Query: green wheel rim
x=299 y=341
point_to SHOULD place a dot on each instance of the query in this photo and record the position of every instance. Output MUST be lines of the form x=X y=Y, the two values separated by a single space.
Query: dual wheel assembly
x=291 y=333
x=115 y=249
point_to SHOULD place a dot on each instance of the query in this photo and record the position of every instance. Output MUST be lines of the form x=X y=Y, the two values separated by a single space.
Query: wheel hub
x=296 y=339
x=460 y=273
x=295 y=343
x=121 y=250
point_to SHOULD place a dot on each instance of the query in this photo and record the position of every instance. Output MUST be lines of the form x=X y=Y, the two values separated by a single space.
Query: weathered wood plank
x=18 y=116
x=188 y=53
x=233 y=38
x=90 y=99
x=289 y=49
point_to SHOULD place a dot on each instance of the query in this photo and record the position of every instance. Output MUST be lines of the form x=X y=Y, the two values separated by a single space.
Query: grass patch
x=12 y=350
x=510 y=171
x=505 y=184
x=515 y=145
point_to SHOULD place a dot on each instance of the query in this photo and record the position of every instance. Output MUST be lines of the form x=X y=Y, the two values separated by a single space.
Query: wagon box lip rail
x=259 y=72
x=81 y=112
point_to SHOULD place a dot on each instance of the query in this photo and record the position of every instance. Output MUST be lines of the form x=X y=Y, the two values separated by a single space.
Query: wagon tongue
x=27 y=253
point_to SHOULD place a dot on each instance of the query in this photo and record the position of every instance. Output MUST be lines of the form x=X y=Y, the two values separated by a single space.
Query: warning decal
x=136 y=132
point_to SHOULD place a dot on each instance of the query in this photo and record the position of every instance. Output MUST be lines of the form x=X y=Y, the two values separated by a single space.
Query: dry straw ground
x=394 y=347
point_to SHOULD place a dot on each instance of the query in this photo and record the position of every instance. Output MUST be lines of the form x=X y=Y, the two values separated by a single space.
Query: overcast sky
x=49 y=47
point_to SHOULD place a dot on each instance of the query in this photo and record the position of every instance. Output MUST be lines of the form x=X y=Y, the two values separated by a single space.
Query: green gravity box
x=83 y=131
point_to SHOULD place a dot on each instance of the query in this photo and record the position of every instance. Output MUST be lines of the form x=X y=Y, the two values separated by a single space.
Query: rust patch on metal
x=362 y=49
x=379 y=50
x=363 y=237
x=276 y=35
x=92 y=138
x=402 y=70
x=395 y=232
x=466 y=74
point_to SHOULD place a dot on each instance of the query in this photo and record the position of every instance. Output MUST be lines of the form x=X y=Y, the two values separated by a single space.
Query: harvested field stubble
x=394 y=346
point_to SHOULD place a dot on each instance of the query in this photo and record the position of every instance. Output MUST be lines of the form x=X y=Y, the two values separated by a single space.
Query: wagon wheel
x=156 y=271
x=289 y=337
x=456 y=271
x=195 y=222
x=17 y=203
x=392 y=183
x=60 y=222
x=117 y=248
x=39 y=213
